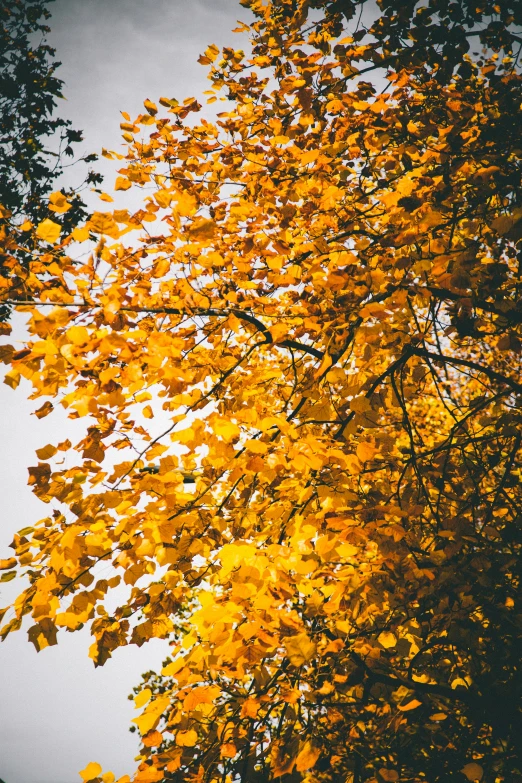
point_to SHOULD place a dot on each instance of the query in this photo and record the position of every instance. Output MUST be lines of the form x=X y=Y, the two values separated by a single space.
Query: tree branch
x=493 y=375
x=239 y=314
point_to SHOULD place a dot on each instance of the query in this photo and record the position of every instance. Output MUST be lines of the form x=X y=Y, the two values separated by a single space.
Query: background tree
x=33 y=140
x=308 y=359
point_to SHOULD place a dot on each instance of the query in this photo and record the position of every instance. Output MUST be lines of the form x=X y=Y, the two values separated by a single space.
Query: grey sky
x=57 y=712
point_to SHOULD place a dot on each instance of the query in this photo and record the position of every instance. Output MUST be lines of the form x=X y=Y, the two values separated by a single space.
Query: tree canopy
x=299 y=366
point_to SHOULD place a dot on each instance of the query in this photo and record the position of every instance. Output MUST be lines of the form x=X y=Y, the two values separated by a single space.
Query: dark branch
x=239 y=314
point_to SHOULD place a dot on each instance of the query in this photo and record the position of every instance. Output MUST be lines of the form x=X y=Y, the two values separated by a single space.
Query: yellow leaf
x=346 y=550
x=202 y=229
x=360 y=404
x=170 y=103
x=150 y=106
x=142 y=698
x=186 y=739
x=163 y=198
x=256 y=447
x=6 y=564
x=387 y=639
x=458 y=682
x=46 y=452
x=122 y=183
x=309 y=156
x=80 y=234
x=77 y=335
x=365 y=451
x=108 y=777
x=184 y=436
x=91 y=771
x=212 y=52
x=300 y=649
x=306 y=119
x=307 y=757
x=233 y=555
x=12 y=378
x=142 y=396
x=68 y=620
x=173 y=668
x=148 y=412
x=58 y=202
x=186 y=204
x=411 y=705
x=325 y=364
x=473 y=771
x=197 y=696
x=44 y=411
x=432 y=219
x=150 y=717
x=278 y=331
x=104 y=223
x=226 y=429
x=48 y=231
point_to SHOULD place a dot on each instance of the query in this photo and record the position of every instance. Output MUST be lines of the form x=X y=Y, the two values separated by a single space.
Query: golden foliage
x=318 y=302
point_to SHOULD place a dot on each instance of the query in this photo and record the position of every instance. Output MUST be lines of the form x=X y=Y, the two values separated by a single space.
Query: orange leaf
x=473 y=771
x=186 y=739
x=228 y=750
x=307 y=757
x=152 y=739
x=300 y=649
x=46 y=452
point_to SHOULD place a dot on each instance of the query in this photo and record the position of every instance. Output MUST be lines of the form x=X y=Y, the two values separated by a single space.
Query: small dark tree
x=33 y=140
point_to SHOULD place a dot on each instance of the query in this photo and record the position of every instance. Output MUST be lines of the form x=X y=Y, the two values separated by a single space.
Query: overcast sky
x=57 y=712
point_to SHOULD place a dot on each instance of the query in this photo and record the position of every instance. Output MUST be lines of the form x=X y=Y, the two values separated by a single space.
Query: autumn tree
x=299 y=366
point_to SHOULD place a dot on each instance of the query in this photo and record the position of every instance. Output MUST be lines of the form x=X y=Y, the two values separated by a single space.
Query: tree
x=306 y=346
x=29 y=167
